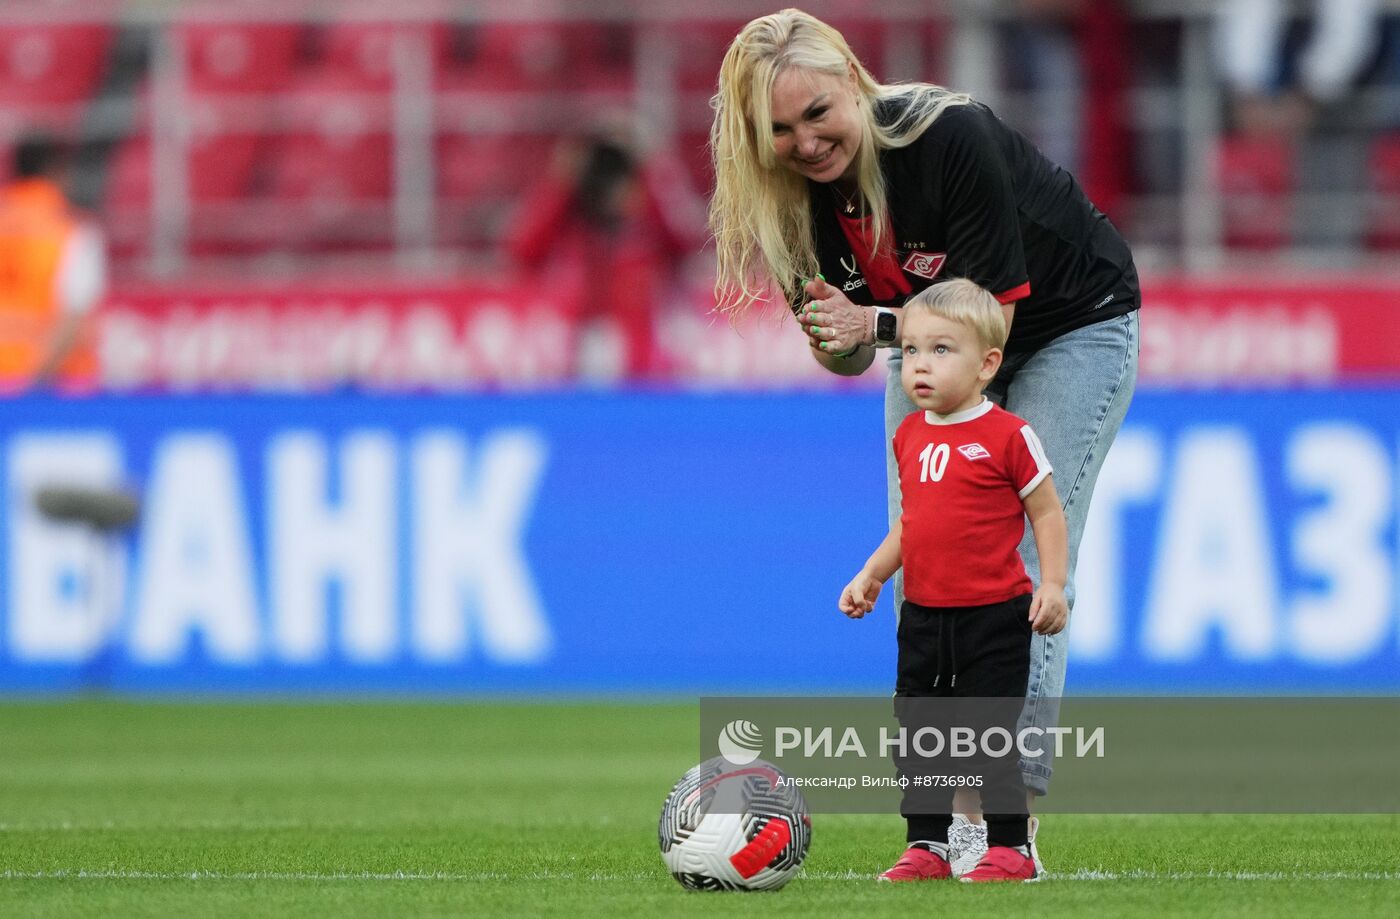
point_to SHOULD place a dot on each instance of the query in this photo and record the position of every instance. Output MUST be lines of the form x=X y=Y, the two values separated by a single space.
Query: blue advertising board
x=657 y=543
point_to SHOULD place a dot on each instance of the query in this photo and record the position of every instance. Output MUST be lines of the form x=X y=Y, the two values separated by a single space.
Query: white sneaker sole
x=1022 y=881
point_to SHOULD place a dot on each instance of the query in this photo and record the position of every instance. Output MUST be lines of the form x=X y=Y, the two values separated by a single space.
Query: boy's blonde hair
x=760 y=213
x=966 y=303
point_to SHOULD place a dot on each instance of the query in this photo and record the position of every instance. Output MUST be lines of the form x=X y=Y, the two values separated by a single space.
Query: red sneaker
x=1002 y=863
x=918 y=864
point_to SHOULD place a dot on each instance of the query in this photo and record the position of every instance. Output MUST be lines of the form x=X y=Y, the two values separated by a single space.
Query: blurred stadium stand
x=302 y=137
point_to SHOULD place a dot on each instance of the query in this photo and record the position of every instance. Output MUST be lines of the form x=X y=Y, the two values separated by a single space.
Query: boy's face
x=945 y=366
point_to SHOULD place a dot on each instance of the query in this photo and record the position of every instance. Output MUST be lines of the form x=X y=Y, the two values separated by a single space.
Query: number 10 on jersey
x=934 y=460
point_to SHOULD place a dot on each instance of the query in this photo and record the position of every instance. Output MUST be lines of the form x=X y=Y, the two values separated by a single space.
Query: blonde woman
x=842 y=197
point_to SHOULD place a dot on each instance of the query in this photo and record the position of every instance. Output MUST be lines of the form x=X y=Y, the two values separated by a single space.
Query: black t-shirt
x=972 y=198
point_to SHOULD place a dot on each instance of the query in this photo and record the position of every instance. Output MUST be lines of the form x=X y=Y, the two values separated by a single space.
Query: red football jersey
x=963 y=478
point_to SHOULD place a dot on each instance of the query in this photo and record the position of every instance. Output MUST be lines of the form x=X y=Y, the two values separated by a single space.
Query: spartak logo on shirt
x=974 y=451
x=925 y=264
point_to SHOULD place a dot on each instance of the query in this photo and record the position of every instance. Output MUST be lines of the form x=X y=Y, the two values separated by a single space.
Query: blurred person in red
x=608 y=233
x=53 y=270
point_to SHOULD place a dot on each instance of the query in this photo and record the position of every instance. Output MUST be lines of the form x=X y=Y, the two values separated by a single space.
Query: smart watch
x=886 y=327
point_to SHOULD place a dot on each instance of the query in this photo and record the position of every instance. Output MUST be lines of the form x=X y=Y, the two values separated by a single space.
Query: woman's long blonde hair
x=760 y=214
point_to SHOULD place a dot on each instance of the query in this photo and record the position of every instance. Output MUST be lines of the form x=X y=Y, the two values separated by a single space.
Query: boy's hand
x=1049 y=609
x=859 y=596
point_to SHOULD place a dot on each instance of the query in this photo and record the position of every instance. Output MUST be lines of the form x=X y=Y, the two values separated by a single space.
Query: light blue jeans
x=1074 y=393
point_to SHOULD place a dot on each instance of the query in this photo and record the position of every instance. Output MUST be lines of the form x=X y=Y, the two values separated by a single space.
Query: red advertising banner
x=317 y=339
x=1247 y=332
x=439 y=339
x=470 y=337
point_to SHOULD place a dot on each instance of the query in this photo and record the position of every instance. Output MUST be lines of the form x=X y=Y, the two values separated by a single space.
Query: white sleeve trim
x=1042 y=462
x=82 y=271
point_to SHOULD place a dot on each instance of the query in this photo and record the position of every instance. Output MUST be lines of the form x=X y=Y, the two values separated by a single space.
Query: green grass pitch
x=111 y=808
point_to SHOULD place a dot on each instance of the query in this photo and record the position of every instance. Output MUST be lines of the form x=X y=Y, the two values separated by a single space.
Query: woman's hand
x=834 y=325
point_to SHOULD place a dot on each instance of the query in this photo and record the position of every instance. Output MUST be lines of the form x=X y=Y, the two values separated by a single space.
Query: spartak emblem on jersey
x=925 y=264
x=974 y=451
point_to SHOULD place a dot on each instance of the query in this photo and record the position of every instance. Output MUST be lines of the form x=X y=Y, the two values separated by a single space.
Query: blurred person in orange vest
x=608 y=232
x=53 y=270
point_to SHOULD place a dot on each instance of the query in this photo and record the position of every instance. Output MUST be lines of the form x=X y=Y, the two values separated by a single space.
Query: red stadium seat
x=1256 y=176
x=1383 y=232
x=48 y=72
x=361 y=53
x=236 y=71
x=239 y=57
x=220 y=168
x=867 y=41
x=222 y=152
x=499 y=166
x=343 y=151
x=219 y=171
x=51 y=63
x=341 y=163
x=336 y=173
x=700 y=49
x=510 y=57
x=599 y=56
x=482 y=178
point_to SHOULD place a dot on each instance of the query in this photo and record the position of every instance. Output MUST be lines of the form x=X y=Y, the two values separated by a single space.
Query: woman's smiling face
x=816 y=124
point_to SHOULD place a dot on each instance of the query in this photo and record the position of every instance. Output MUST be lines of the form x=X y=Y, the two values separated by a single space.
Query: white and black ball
x=728 y=827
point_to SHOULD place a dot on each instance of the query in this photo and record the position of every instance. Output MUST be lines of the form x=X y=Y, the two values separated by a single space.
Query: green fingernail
x=822 y=276
x=812 y=329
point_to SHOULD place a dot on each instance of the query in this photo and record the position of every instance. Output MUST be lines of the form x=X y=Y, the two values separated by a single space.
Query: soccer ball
x=727 y=827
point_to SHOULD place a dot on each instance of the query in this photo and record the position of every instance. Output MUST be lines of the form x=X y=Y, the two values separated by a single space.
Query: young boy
x=970 y=475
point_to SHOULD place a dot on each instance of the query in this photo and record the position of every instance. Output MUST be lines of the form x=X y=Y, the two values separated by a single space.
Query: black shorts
x=966 y=651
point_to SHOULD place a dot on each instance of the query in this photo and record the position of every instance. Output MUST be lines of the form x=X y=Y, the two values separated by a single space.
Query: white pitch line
x=1082 y=874
x=83 y=874
x=1142 y=874
x=66 y=826
x=1087 y=874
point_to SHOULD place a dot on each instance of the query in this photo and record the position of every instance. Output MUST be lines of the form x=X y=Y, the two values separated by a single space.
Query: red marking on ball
x=764 y=847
